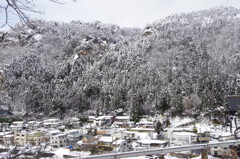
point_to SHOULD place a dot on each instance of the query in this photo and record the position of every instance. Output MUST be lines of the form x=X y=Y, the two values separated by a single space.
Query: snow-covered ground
x=64 y=151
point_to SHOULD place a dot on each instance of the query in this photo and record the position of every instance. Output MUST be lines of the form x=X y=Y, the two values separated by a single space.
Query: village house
x=118 y=135
x=74 y=122
x=33 y=125
x=103 y=120
x=51 y=133
x=20 y=137
x=51 y=123
x=226 y=136
x=105 y=142
x=121 y=145
x=181 y=138
x=152 y=143
x=122 y=122
x=32 y=137
x=122 y=119
x=88 y=139
x=222 y=151
x=101 y=132
x=36 y=138
x=91 y=119
x=8 y=139
x=128 y=124
x=5 y=126
x=203 y=137
x=17 y=125
x=73 y=136
x=145 y=124
x=3 y=135
x=59 y=140
x=142 y=129
x=88 y=142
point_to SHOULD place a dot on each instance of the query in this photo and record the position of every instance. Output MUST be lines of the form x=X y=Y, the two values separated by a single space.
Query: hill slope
x=183 y=62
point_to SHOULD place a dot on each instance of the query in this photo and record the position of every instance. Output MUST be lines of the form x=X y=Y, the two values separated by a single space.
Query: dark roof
x=88 y=136
x=5 y=113
x=233 y=102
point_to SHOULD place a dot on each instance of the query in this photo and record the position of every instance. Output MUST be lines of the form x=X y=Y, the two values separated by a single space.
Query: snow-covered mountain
x=183 y=62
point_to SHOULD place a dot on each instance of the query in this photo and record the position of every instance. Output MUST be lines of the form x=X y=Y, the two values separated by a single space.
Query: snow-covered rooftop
x=106 y=139
x=118 y=142
x=122 y=117
x=147 y=141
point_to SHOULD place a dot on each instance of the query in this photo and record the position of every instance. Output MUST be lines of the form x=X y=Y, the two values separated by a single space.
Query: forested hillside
x=181 y=64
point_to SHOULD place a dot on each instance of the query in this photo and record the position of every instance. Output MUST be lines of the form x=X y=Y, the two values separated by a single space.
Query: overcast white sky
x=126 y=13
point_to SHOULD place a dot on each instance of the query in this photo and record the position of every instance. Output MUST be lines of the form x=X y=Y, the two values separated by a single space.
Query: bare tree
x=18 y=8
x=29 y=150
x=191 y=102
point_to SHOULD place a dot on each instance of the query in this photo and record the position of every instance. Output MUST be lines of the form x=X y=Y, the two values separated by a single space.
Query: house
x=51 y=123
x=91 y=119
x=128 y=124
x=3 y=134
x=38 y=124
x=152 y=143
x=145 y=124
x=73 y=136
x=88 y=142
x=8 y=139
x=101 y=132
x=225 y=136
x=75 y=122
x=121 y=145
x=122 y=122
x=103 y=120
x=33 y=125
x=88 y=139
x=140 y=129
x=182 y=138
x=119 y=142
x=32 y=137
x=20 y=137
x=222 y=151
x=59 y=140
x=118 y=135
x=105 y=142
x=122 y=119
x=36 y=138
x=203 y=137
x=5 y=126
x=17 y=125
x=51 y=133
